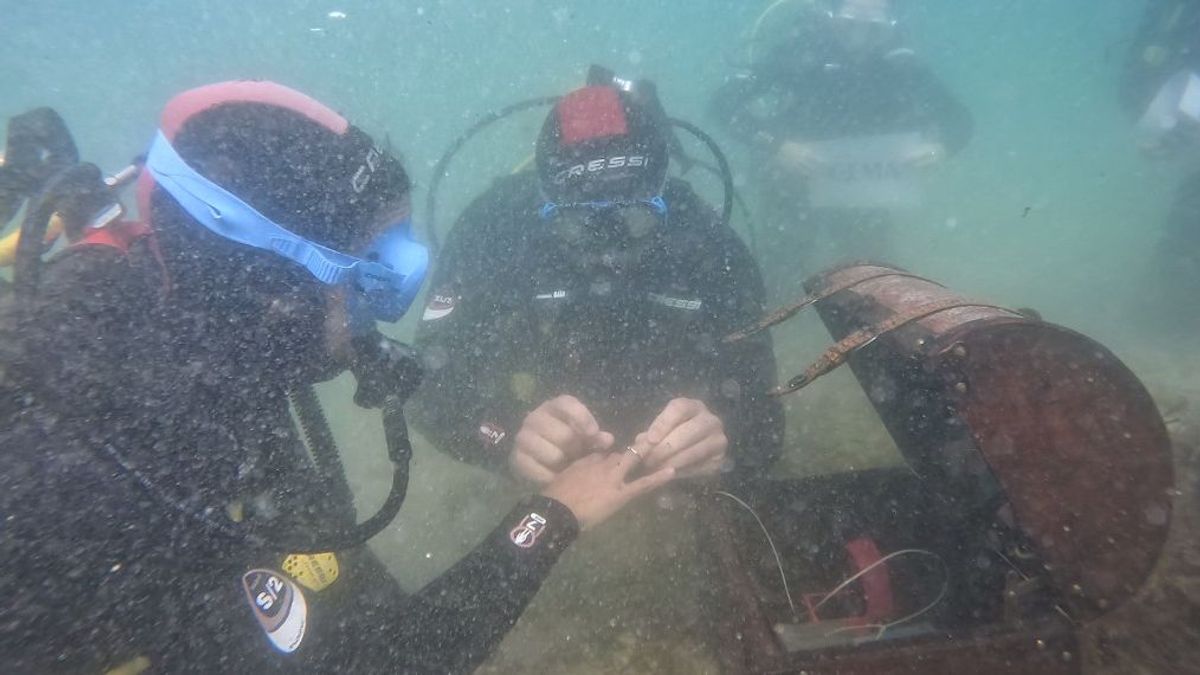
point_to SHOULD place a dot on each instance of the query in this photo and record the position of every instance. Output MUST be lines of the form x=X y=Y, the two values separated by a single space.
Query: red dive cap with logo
x=597 y=144
x=289 y=156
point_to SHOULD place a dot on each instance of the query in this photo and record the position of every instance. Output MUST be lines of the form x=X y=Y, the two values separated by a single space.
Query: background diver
x=1160 y=89
x=838 y=82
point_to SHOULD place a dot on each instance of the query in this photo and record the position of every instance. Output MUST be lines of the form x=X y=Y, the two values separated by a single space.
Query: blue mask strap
x=225 y=215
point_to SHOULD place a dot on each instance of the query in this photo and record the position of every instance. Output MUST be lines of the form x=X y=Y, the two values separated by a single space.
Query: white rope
x=778 y=560
x=884 y=627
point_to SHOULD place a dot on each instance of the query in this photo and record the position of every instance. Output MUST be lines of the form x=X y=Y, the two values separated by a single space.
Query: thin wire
x=778 y=560
x=885 y=626
x=941 y=594
x=840 y=587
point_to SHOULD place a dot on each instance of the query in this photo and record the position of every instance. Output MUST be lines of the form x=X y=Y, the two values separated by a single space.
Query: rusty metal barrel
x=988 y=402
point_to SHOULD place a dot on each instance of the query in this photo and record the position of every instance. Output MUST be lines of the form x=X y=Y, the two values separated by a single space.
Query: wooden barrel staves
x=974 y=393
x=1025 y=442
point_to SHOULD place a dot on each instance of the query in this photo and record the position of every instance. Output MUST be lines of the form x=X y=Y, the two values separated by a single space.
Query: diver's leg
x=1176 y=263
x=862 y=235
x=787 y=239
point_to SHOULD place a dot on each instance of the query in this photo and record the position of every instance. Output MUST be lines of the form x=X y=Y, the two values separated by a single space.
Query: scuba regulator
x=388 y=374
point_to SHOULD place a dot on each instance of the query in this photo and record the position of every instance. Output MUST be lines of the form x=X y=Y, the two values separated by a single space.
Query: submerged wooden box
x=1038 y=477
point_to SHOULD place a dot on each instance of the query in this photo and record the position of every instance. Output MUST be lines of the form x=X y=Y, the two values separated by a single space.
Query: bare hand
x=686 y=436
x=799 y=157
x=594 y=487
x=555 y=434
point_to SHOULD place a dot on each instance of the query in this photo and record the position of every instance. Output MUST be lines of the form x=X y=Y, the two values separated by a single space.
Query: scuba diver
x=1160 y=88
x=38 y=145
x=843 y=117
x=160 y=510
x=581 y=305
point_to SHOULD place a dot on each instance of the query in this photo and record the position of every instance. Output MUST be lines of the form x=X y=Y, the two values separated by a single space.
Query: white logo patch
x=675 y=303
x=440 y=305
x=362 y=177
x=600 y=164
x=491 y=434
x=526 y=534
x=279 y=606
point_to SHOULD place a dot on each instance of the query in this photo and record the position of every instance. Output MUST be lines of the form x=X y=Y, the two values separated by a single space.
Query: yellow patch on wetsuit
x=236 y=511
x=315 y=572
x=8 y=244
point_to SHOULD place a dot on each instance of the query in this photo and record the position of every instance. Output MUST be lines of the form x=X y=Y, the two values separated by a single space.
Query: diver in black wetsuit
x=841 y=74
x=1160 y=88
x=151 y=474
x=583 y=306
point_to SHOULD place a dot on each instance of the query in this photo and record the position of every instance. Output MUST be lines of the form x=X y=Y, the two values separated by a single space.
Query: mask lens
x=606 y=220
x=640 y=219
x=392 y=272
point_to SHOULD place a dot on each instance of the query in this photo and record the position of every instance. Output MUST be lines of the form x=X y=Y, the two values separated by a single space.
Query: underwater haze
x=1050 y=206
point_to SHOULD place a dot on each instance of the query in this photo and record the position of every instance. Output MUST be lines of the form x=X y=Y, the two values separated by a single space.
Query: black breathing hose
x=395 y=430
x=722 y=164
x=439 y=171
x=340 y=539
x=739 y=203
x=28 y=263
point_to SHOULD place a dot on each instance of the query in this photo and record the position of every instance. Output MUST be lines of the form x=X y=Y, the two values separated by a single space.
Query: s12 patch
x=526 y=534
x=279 y=606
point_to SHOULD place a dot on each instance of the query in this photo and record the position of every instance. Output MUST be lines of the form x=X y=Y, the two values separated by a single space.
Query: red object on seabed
x=1038 y=473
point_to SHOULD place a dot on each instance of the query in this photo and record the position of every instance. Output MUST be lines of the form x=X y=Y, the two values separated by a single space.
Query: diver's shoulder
x=503 y=205
x=94 y=271
x=680 y=193
x=698 y=223
x=519 y=189
x=495 y=220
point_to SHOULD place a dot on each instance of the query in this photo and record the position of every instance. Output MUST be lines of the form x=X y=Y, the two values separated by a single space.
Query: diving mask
x=384 y=278
x=606 y=219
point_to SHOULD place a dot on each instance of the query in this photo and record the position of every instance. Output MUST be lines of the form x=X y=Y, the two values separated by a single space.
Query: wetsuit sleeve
x=754 y=421
x=455 y=622
x=469 y=336
x=947 y=118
